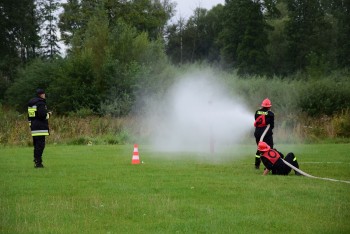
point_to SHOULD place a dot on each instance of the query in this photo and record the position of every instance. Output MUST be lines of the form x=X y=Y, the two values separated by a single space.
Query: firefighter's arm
x=267 y=165
x=266 y=171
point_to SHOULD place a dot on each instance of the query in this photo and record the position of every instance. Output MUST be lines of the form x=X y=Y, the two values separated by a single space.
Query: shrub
x=80 y=141
x=326 y=96
x=82 y=113
x=14 y=128
x=120 y=138
x=38 y=74
x=118 y=107
x=341 y=124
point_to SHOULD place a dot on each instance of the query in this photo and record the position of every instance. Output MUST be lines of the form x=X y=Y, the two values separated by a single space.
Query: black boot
x=297 y=173
x=38 y=164
x=257 y=163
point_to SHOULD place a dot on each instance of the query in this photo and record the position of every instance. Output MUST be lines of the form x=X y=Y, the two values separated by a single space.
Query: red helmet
x=262 y=146
x=266 y=103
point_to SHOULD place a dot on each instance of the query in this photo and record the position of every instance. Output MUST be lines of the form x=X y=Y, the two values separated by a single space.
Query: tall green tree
x=196 y=39
x=26 y=29
x=148 y=16
x=49 y=34
x=341 y=11
x=19 y=40
x=19 y=29
x=174 y=41
x=244 y=37
x=70 y=21
x=308 y=34
x=108 y=54
x=277 y=48
x=214 y=28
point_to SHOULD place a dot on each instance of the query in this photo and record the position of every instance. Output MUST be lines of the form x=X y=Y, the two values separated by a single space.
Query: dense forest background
x=293 y=51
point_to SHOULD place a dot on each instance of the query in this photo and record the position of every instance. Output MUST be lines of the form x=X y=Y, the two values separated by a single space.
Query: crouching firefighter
x=38 y=121
x=273 y=160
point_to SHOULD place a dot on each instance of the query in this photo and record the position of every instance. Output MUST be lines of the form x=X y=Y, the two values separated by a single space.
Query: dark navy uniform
x=272 y=160
x=38 y=121
x=263 y=117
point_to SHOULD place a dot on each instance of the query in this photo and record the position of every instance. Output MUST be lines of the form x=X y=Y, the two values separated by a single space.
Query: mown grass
x=95 y=189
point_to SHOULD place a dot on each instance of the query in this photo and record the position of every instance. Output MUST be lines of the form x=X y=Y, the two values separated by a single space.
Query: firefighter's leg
x=39 y=146
x=292 y=160
x=257 y=160
x=268 y=139
x=36 y=150
x=257 y=155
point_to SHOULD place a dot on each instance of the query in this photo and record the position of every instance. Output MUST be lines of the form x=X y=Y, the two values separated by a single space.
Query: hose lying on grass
x=297 y=169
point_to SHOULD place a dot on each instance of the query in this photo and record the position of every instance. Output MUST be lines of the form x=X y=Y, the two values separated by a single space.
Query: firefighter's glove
x=48 y=115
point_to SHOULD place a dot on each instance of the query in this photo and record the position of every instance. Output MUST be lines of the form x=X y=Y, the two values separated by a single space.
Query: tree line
x=117 y=47
x=267 y=37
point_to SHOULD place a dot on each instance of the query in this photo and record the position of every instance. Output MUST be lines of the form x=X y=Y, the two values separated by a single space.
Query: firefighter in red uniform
x=38 y=121
x=263 y=117
x=272 y=160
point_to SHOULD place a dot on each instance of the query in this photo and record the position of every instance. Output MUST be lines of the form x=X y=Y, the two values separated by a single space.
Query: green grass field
x=95 y=189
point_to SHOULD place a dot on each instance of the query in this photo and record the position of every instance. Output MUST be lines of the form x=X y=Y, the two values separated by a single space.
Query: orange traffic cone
x=135 y=156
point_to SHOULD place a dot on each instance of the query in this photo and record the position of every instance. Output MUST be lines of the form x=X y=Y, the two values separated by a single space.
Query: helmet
x=266 y=103
x=40 y=91
x=262 y=146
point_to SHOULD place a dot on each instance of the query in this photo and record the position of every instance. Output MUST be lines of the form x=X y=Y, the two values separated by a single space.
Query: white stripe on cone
x=135 y=156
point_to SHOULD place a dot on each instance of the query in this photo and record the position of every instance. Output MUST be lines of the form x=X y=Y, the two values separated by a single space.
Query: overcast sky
x=185 y=8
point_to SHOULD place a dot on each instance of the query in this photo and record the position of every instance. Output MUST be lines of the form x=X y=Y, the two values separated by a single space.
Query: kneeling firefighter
x=272 y=160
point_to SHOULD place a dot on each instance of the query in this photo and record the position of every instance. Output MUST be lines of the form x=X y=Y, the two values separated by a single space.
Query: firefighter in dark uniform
x=263 y=117
x=38 y=121
x=272 y=160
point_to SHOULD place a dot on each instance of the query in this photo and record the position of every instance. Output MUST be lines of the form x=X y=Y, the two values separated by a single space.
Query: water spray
x=199 y=114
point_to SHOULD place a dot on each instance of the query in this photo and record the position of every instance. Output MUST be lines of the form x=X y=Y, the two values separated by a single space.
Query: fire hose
x=297 y=169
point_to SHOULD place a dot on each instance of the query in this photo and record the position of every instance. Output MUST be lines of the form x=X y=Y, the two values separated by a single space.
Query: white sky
x=185 y=8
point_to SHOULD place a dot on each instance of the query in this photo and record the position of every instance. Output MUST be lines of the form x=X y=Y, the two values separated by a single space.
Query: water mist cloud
x=196 y=112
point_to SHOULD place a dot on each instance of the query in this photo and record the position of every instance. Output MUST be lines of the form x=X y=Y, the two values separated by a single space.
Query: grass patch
x=95 y=189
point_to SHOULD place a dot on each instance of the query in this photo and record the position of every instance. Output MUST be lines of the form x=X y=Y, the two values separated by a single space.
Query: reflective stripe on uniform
x=262 y=113
x=40 y=133
x=257 y=156
x=31 y=111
